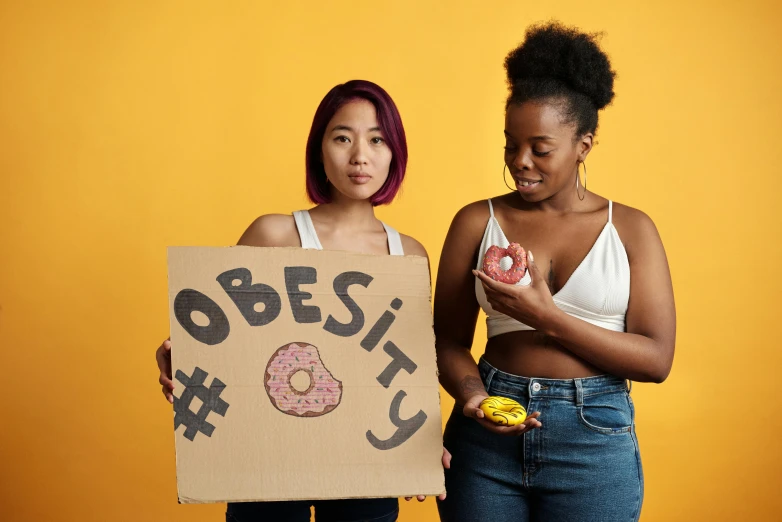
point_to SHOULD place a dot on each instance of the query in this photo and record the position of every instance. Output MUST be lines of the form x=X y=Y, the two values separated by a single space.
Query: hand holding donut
x=503 y=411
x=493 y=256
x=472 y=408
x=531 y=304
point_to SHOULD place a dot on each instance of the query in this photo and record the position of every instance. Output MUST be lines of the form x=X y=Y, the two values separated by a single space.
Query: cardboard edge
x=181 y=499
x=192 y=500
x=415 y=257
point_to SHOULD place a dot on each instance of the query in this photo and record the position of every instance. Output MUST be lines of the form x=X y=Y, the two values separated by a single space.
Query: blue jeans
x=582 y=465
x=350 y=510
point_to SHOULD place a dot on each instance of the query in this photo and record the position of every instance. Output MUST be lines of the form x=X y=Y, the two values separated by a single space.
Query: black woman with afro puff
x=593 y=312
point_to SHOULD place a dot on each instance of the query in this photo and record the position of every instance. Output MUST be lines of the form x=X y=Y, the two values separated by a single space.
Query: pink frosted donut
x=491 y=263
x=323 y=394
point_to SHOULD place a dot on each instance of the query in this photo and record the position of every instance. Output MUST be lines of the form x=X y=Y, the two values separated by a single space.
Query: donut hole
x=505 y=263
x=301 y=381
x=199 y=318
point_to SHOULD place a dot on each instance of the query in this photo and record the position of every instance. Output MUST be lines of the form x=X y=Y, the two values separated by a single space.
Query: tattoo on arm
x=470 y=385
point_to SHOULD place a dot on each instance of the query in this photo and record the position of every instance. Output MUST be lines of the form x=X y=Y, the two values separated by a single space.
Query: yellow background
x=129 y=126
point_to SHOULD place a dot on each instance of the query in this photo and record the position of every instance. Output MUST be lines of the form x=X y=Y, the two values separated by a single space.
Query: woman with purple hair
x=355 y=160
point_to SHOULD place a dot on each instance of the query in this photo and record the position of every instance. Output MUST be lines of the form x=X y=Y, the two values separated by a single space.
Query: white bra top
x=309 y=238
x=598 y=292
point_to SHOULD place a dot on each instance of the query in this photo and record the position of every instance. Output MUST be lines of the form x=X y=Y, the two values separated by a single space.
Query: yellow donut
x=503 y=411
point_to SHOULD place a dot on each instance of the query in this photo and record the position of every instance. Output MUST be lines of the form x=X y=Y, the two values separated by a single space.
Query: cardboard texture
x=302 y=374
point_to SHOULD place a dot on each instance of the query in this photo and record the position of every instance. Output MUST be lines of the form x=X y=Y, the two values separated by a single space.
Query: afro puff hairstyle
x=560 y=63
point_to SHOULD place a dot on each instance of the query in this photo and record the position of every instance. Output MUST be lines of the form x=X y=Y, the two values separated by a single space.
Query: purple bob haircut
x=390 y=124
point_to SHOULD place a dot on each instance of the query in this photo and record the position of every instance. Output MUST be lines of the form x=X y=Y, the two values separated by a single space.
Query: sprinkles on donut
x=323 y=394
x=491 y=263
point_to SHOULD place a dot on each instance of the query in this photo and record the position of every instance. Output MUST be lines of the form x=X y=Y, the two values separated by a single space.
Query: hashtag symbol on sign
x=210 y=398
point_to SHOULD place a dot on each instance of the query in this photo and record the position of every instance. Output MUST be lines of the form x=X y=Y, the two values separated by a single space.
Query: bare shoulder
x=635 y=227
x=271 y=230
x=470 y=220
x=412 y=246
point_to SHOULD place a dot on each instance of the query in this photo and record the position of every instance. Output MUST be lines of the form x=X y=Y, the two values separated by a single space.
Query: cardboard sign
x=302 y=374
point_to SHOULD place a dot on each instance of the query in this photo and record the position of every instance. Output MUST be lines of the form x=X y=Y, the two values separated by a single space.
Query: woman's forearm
x=458 y=372
x=631 y=356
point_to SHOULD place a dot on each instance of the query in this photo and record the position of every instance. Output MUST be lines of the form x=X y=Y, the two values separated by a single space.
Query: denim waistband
x=560 y=388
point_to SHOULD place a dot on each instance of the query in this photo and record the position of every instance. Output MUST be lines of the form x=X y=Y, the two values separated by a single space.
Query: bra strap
x=394 y=241
x=307 y=234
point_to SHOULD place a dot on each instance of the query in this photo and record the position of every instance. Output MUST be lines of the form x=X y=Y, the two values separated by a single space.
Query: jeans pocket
x=607 y=413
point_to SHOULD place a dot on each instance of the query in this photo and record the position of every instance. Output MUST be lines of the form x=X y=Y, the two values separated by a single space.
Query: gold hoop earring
x=578 y=175
x=504 y=180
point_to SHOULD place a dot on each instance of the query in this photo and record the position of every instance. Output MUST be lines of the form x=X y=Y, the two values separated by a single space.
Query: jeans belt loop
x=579 y=392
x=489 y=378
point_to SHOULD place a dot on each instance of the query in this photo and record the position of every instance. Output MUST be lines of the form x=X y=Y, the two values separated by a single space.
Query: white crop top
x=598 y=291
x=309 y=238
